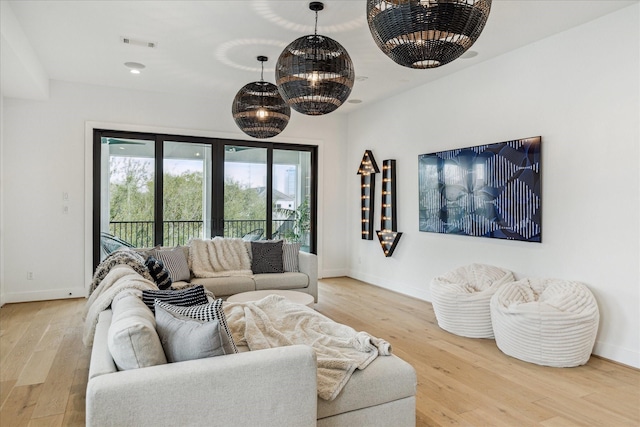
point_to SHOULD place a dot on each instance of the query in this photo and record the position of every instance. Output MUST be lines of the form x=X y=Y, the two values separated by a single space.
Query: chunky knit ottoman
x=545 y=321
x=461 y=299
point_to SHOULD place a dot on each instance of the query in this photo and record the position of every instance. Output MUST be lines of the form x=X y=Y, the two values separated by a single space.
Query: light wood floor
x=461 y=381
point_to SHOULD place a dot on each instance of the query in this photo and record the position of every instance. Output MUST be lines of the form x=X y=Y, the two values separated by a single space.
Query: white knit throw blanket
x=120 y=278
x=219 y=257
x=275 y=322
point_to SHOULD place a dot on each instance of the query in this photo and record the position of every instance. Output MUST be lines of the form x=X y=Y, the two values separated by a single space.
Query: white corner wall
x=47 y=152
x=580 y=91
x=2 y=180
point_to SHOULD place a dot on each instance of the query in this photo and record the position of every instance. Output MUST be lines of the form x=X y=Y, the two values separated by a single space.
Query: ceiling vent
x=138 y=42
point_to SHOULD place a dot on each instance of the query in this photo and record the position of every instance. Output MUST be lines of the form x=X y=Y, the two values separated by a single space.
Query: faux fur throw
x=275 y=322
x=120 y=278
x=121 y=256
x=219 y=257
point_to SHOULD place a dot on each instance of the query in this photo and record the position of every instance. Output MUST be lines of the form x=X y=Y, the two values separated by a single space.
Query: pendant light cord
x=262 y=71
x=315 y=31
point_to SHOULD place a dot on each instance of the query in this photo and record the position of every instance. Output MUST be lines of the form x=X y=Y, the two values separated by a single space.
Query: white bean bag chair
x=461 y=299
x=545 y=321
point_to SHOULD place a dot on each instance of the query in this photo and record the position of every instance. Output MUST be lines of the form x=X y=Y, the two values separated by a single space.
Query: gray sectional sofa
x=272 y=387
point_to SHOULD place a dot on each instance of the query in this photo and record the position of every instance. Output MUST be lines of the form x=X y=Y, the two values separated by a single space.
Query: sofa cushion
x=266 y=257
x=159 y=273
x=206 y=313
x=225 y=286
x=386 y=379
x=132 y=338
x=194 y=295
x=175 y=261
x=281 y=281
x=184 y=338
x=290 y=256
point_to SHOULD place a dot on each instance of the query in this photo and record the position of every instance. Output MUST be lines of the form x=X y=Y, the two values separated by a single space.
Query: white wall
x=1 y=200
x=579 y=90
x=45 y=154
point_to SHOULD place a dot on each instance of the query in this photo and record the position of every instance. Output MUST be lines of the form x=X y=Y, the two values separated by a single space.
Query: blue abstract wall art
x=488 y=191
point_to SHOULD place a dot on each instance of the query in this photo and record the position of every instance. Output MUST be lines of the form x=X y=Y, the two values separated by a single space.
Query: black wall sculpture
x=367 y=170
x=388 y=235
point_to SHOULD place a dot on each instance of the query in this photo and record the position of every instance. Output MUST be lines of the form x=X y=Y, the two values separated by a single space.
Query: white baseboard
x=337 y=272
x=392 y=285
x=626 y=356
x=44 y=295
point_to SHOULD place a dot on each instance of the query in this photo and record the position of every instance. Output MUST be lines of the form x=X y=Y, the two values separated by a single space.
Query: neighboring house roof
x=277 y=195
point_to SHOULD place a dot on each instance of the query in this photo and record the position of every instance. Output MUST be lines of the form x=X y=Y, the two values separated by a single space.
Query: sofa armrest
x=308 y=264
x=273 y=387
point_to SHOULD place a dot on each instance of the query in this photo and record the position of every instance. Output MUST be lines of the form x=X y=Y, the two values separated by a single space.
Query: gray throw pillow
x=206 y=313
x=266 y=257
x=184 y=338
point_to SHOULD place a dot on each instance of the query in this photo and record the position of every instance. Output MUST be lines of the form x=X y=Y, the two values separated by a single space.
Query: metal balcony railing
x=140 y=234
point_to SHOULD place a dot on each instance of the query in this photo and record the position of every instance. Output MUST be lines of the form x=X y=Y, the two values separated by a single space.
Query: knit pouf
x=545 y=321
x=461 y=299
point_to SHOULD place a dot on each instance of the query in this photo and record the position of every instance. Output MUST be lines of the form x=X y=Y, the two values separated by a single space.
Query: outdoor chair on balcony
x=253 y=235
x=110 y=243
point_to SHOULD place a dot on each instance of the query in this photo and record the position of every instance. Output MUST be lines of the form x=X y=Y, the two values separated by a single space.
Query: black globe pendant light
x=426 y=33
x=314 y=73
x=258 y=108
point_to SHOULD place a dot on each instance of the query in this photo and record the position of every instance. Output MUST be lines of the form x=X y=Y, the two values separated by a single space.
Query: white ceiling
x=209 y=48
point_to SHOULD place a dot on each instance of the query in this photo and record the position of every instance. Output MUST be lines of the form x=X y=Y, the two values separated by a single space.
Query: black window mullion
x=217 y=186
x=158 y=211
x=97 y=183
x=314 y=200
x=269 y=192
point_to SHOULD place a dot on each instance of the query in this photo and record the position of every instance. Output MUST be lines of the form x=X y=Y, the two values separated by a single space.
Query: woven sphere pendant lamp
x=426 y=33
x=314 y=73
x=258 y=108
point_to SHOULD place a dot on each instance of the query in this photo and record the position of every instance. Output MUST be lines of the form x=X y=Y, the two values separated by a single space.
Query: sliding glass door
x=245 y=192
x=186 y=192
x=127 y=192
x=154 y=189
x=292 y=196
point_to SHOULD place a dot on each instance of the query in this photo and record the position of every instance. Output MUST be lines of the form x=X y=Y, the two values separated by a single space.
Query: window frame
x=217 y=180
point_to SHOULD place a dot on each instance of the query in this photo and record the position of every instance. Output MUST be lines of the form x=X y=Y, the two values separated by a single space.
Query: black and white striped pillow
x=176 y=262
x=290 y=257
x=206 y=313
x=184 y=297
x=158 y=272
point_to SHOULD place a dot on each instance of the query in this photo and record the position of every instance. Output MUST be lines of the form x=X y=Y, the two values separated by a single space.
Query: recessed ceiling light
x=134 y=67
x=354 y=101
x=469 y=54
